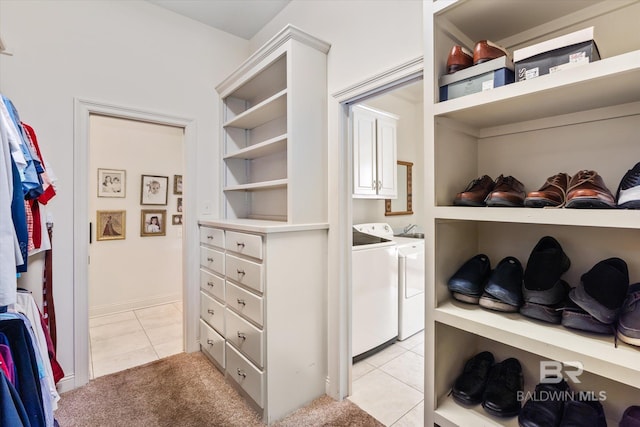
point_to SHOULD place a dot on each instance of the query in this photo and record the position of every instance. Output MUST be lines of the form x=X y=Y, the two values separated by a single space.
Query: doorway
x=135 y=254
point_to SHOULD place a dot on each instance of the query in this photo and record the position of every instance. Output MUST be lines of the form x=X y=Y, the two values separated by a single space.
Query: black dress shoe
x=470 y=385
x=504 y=386
x=467 y=283
x=505 y=285
x=583 y=413
x=545 y=407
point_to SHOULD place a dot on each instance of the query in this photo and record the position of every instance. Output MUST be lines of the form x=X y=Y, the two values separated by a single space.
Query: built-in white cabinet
x=267 y=330
x=274 y=132
x=581 y=118
x=374 y=134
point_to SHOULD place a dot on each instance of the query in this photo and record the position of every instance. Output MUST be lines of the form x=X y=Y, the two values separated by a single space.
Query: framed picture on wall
x=111 y=225
x=177 y=219
x=177 y=184
x=179 y=204
x=154 y=190
x=153 y=222
x=111 y=183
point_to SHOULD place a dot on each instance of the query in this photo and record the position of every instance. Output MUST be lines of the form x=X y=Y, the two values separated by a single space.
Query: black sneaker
x=628 y=194
x=545 y=407
x=504 y=387
x=467 y=283
x=470 y=385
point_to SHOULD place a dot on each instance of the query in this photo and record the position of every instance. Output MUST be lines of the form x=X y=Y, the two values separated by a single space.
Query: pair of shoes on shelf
x=586 y=189
x=630 y=417
x=498 y=289
x=544 y=292
x=552 y=405
x=628 y=194
x=628 y=328
x=595 y=304
x=506 y=191
x=496 y=385
x=460 y=58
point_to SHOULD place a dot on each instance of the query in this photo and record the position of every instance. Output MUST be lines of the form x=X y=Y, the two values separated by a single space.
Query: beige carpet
x=185 y=390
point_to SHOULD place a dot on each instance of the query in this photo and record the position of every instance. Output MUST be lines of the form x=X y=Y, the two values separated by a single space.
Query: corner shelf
x=266 y=111
x=262 y=149
x=265 y=185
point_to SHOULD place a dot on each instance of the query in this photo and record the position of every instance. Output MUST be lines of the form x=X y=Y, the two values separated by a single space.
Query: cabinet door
x=387 y=157
x=364 y=152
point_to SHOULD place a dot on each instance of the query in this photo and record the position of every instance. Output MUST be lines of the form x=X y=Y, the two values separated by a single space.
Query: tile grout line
x=147 y=335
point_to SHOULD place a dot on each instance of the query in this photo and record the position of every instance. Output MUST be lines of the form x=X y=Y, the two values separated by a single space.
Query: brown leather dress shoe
x=475 y=193
x=552 y=193
x=485 y=50
x=459 y=58
x=508 y=192
x=587 y=190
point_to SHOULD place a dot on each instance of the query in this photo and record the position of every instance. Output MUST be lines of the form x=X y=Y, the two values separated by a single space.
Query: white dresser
x=262 y=310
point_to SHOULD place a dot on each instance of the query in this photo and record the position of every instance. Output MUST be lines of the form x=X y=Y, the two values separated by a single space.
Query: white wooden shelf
x=262 y=149
x=269 y=109
x=610 y=81
x=256 y=186
x=598 y=353
x=609 y=218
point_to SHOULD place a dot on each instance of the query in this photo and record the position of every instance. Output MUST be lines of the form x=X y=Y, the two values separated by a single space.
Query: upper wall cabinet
x=274 y=132
x=374 y=153
x=582 y=118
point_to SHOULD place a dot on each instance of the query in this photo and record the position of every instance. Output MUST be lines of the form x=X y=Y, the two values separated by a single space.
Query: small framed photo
x=153 y=222
x=176 y=219
x=111 y=183
x=177 y=184
x=179 y=204
x=111 y=225
x=154 y=190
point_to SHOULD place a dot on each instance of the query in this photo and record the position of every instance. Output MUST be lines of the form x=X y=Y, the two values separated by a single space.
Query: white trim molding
x=83 y=108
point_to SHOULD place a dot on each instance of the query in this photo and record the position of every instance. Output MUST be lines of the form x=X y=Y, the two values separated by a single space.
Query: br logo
x=552 y=372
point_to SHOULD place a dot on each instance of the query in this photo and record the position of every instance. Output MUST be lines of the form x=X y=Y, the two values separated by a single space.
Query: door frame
x=340 y=217
x=83 y=109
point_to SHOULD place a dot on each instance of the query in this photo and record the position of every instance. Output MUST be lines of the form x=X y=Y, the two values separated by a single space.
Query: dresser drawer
x=212 y=312
x=244 y=302
x=245 y=244
x=245 y=272
x=212 y=236
x=247 y=376
x=212 y=343
x=212 y=283
x=212 y=259
x=245 y=337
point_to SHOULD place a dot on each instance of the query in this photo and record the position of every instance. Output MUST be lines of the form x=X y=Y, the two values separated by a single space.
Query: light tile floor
x=390 y=384
x=124 y=340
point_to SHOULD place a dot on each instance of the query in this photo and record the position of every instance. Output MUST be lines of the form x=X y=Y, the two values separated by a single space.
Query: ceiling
x=242 y=18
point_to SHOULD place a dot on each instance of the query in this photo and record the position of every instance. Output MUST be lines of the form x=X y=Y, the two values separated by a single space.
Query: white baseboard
x=67 y=383
x=102 y=310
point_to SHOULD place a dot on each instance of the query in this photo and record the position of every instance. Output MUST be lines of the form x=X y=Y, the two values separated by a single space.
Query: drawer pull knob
x=210 y=284
x=241 y=373
x=210 y=342
x=209 y=237
x=242 y=336
x=240 y=245
x=211 y=311
x=209 y=259
x=241 y=302
x=240 y=272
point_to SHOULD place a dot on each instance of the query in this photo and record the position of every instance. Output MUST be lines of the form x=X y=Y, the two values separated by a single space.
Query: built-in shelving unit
x=581 y=118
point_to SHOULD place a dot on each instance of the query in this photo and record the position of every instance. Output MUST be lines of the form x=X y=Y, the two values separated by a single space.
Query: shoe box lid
x=476 y=70
x=576 y=37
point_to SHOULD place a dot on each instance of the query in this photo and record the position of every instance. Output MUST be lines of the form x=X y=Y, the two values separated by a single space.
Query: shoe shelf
x=265 y=185
x=554 y=342
x=266 y=111
x=584 y=118
x=271 y=146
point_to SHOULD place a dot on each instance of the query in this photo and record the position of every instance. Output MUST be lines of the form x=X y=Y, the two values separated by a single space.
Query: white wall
x=138 y=271
x=127 y=53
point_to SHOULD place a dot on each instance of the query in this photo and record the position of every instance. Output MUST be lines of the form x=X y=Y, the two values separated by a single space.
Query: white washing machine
x=374 y=310
x=410 y=286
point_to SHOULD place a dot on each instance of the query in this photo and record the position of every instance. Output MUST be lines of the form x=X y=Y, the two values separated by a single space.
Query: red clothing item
x=3 y=366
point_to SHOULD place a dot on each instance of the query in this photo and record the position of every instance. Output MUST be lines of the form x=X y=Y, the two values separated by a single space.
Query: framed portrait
x=177 y=184
x=179 y=204
x=176 y=219
x=111 y=183
x=153 y=222
x=154 y=190
x=111 y=225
